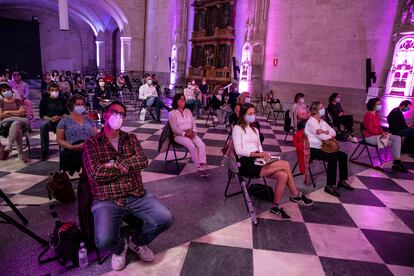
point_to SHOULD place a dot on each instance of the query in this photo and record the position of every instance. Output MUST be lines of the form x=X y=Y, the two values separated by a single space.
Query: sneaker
x=280 y=212
x=398 y=166
x=302 y=200
x=142 y=251
x=353 y=139
x=202 y=170
x=118 y=262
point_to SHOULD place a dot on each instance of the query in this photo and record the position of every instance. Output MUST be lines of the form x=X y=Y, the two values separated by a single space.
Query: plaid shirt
x=111 y=183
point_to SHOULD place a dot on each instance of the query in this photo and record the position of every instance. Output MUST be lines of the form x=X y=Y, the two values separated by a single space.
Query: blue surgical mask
x=405 y=109
x=378 y=107
x=322 y=112
x=248 y=100
x=250 y=118
x=7 y=93
x=79 y=109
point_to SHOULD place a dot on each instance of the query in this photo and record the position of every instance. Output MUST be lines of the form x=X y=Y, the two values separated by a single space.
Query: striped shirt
x=110 y=183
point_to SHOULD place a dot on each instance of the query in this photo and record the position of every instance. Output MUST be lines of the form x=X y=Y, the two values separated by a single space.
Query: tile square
x=376 y=218
x=271 y=148
x=209 y=259
x=396 y=200
x=15 y=183
x=286 y=236
x=394 y=248
x=399 y=175
x=154 y=138
x=407 y=184
x=406 y=216
x=360 y=197
x=268 y=136
x=3 y=173
x=378 y=183
x=214 y=160
x=281 y=263
x=40 y=168
x=334 y=267
x=341 y=242
x=214 y=143
x=145 y=130
x=401 y=270
x=327 y=213
x=157 y=166
x=142 y=136
x=151 y=153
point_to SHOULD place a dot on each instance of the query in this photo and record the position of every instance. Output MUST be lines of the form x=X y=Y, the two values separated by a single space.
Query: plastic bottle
x=83 y=255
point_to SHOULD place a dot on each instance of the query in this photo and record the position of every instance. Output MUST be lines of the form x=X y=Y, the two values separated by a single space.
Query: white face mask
x=149 y=82
x=248 y=100
x=79 y=109
x=101 y=83
x=220 y=92
x=7 y=94
x=302 y=100
x=115 y=121
x=338 y=100
x=54 y=94
x=204 y=83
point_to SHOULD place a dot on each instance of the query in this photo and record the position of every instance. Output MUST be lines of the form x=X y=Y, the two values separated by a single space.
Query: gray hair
x=314 y=107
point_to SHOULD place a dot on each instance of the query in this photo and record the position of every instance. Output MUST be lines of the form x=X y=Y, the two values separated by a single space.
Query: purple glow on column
x=98 y=46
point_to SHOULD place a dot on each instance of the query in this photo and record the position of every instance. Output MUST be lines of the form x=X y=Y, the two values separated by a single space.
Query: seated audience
x=300 y=113
x=52 y=109
x=156 y=83
x=339 y=117
x=78 y=84
x=22 y=92
x=234 y=95
x=47 y=79
x=109 y=79
x=319 y=131
x=396 y=120
x=100 y=75
x=55 y=76
x=71 y=133
x=120 y=81
x=13 y=118
x=219 y=103
x=148 y=93
x=248 y=147
x=270 y=97
x=102 y=93
x=190 y=94
x=64 y=87
x=185 y=133
x=375 y=135
x=113 y=162
x=204 y=92
x=7 y=74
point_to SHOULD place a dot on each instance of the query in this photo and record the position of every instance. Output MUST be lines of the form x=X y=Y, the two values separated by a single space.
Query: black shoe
x=280 y=212
x=398 y=166
x=302 y=200
x=345 y=185
x=332 y=191
x=44 y=157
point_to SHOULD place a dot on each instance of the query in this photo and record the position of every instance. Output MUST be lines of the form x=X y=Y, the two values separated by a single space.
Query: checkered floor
x=368 y=231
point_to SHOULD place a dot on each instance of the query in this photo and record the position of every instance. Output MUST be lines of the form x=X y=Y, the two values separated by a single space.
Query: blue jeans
x=46 y=127
x=108 y=218
x=194 y=104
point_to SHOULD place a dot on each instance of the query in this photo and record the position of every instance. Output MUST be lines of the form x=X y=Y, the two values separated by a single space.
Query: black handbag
x=60 y=187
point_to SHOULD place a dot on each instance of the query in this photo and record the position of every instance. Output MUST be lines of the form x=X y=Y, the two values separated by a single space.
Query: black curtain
x=20 y=47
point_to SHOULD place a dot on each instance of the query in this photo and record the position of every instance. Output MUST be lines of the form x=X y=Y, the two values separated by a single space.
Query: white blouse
x=315 y=140
x=180 y=123
x=246 y=141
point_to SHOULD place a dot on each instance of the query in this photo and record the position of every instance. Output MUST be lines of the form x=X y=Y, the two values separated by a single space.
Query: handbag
x=60 y=187
x=330 y=146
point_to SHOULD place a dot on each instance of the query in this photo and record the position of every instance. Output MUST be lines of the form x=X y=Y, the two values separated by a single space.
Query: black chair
x=364 y=146
x=210 y=116
x=175 y=146
x=287 y=127
x=140 y=105
x=311 y=161
x=275 y=111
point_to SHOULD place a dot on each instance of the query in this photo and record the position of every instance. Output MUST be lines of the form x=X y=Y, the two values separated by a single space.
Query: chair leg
x=208 y=116
x=287 y=133
x=28 y=145
x=176 y=160
x=379 y=156
x=166 y=153
x=369 y=156
x=353 y=153
x=294 y=167
x=311 y=175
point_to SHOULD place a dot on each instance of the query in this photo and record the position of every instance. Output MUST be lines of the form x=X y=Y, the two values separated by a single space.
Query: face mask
x=7 y=93
x=247 y=100
x=378 y=107
x=204 y=83
x=322 y=112
x=250 y=118
x=79 y=109
x=338 y=100
x=190 y=86
x=101 y=83
x=149 y=82
x=54 y=94
x=63 y=79
x=403 y=110
x=220 y=92
x=193 y=82
x=115 y=122
x=302 y=100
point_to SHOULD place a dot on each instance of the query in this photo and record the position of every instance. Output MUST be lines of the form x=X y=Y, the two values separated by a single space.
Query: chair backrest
x=362 y=128
x=288 y=121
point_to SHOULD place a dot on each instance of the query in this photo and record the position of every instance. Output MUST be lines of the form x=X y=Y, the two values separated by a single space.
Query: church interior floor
x=365 y=232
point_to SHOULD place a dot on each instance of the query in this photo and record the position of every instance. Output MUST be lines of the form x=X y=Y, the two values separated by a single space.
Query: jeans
x=46 y=127
x=195 y=104
x=108 y=218
x=394 y=140
x=16 y=133
x=158 y=105
x=334 y=160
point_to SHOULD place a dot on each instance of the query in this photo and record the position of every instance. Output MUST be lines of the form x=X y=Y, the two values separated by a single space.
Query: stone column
x=125 y=53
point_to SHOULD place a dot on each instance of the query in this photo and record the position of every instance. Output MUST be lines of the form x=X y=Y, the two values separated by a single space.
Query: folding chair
x=210 y=116
x=275 y=111
x=174 y=146
x=310 y=171
x=287 y=127
x=140 y=104
x=365 y=146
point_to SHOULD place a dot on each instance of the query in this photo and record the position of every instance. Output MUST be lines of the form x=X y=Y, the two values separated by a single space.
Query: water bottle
x=83 y=255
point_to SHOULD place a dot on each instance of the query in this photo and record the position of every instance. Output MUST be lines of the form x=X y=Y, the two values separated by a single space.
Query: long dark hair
x=333 y=97
x=175 y=100
x=243 y=110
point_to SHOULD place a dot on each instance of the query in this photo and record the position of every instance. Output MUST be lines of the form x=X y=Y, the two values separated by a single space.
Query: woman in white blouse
x=185 y=132
x=248 y=147
x=317 y=131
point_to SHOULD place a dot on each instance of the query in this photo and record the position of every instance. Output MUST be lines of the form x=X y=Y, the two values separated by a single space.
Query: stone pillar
x=125 y=53
x=100 y=54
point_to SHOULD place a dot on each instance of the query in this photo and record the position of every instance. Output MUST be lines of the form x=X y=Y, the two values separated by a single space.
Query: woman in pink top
x=375 y=135
x=185 y=133
x=300 y=113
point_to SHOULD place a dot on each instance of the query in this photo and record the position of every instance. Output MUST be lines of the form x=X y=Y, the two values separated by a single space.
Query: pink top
x=181 y=122
x=21 y=88
x=372 y=124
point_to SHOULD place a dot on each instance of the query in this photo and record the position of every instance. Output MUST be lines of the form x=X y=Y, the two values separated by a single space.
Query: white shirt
x=180 y=123
x=315 y=140
x=147 y=90
x=246 y=141
x=189 y=93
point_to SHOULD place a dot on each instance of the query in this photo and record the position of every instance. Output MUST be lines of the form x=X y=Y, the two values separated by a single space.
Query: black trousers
x=334 y=160
x=348 y=122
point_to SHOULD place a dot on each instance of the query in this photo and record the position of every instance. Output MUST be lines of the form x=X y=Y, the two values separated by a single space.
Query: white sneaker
x=353 y=139
x=118 y=262
x=202 y=170
x=143 y=252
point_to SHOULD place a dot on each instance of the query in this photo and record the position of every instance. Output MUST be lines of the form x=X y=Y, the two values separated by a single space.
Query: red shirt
x=110 y=183
x=372 y=124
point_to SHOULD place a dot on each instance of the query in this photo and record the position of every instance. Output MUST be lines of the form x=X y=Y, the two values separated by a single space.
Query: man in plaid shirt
x=113 y=161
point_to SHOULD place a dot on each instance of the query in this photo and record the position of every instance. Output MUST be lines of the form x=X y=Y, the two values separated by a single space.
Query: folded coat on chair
x=301 y=142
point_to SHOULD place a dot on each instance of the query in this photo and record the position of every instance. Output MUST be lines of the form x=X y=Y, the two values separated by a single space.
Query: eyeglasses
x=116 y=113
